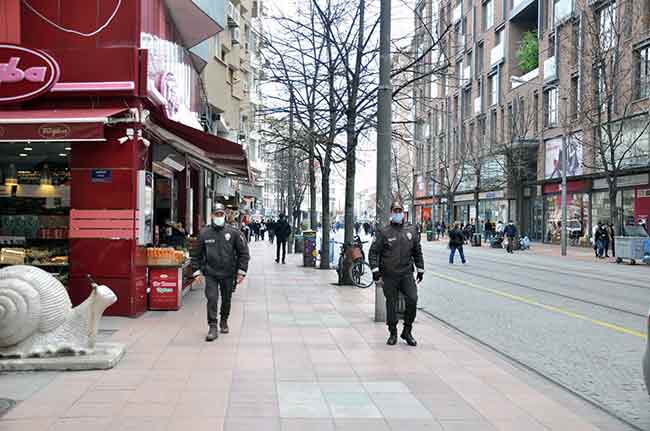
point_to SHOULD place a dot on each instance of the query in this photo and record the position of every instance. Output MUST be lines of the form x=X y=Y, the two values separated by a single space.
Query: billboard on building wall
x=420 y=186
x=171 y=79
x=553 y=157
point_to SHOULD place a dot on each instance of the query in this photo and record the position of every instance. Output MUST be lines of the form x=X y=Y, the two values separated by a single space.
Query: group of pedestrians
x=603 y=239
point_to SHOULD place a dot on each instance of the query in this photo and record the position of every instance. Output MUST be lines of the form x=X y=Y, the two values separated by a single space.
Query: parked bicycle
x=359 y=271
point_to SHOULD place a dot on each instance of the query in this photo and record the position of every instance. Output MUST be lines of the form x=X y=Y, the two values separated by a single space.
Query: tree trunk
x=325 y=219
x=313 y=219
x=350 y=171
x=613 y=209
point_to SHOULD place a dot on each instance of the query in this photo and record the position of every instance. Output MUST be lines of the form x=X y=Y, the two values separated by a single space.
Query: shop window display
x=577 y=218
x=35 y=206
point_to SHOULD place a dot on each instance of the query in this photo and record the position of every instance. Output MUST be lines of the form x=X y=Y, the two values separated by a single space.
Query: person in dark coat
x=395 y=250
x=612 y=234
x=510 y=232
x=282 y=233
x=222 y=258
x=601 y=239
x=456 y=241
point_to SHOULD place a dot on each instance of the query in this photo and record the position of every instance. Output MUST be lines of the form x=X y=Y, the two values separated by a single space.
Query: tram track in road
x=639 y=284
x=551 y=292
x=532 y=369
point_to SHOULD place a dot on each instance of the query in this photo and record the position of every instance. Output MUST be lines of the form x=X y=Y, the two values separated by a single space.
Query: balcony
x=233 y=15
x=550 y=69
x=525 y=11
x=562 y=10
x=497 y=55
x=516 y=81
x=478 y=105
x=457 y=13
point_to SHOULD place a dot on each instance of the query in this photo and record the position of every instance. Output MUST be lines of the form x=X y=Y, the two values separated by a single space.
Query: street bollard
x=380 y=302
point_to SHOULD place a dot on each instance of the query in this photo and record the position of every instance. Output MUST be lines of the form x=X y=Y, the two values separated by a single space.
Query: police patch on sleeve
x=409 y=235
x=227 y=237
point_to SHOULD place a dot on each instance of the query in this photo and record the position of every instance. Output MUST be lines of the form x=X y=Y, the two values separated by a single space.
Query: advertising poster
x=553 y=160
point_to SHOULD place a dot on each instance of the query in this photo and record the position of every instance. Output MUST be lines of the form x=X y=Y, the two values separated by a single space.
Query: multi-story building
x=521 y=76
x=231 y=78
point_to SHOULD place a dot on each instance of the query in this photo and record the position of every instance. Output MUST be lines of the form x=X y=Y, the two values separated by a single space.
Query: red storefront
x=98 y=100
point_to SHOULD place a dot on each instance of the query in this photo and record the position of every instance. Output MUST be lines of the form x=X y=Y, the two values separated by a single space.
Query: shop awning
x=226 y=156
x=193 y=21
x=55 y=124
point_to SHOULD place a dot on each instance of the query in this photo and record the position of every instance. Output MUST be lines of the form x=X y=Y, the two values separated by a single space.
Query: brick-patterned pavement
x=302 y=354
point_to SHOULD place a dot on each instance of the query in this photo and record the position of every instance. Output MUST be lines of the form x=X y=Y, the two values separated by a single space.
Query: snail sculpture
x=37 y=318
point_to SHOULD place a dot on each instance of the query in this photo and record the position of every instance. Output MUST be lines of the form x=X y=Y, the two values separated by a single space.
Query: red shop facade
x=98 y=112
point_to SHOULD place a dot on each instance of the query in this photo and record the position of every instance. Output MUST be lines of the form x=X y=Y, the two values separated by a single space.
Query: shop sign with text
x=25 y=73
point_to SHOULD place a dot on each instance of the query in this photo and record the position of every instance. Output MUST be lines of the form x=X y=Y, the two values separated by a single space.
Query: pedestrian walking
x=282 y=233
x=510 y=232
x=456 y=241
x=394 y=252
x=357 y=228
x=222 y=259
x=612 y=234
x=601 y=238
x=270 y=225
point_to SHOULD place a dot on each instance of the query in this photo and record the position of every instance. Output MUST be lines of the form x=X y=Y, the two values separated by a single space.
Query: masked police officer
x=222 y=256
x=393 y=253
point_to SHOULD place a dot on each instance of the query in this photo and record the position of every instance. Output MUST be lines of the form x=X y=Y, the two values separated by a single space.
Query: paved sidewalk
x=302 y=355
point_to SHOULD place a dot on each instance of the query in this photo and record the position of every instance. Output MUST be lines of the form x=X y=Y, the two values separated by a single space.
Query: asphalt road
x=578 y=323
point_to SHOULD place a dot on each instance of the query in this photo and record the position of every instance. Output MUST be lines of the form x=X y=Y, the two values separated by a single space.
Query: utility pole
x=291 y=174
x=563 y=232
x=384 y=123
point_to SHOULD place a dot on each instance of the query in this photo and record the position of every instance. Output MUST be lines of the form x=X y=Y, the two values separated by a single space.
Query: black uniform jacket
x=223 y=252
x=395 y=250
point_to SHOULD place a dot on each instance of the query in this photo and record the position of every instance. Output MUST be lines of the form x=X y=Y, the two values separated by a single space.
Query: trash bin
x=429 y=235
x=298 y=244
x=309 y=251
x=476 y=240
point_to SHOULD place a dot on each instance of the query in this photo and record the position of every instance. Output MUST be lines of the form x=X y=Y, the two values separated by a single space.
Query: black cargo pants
x=213 y=288
x=405 y=284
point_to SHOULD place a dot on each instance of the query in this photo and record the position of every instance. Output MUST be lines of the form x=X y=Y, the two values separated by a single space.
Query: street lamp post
x=384 y=120
x=563 y=232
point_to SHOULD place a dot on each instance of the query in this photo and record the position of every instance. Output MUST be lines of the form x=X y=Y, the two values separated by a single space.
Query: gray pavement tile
x=307 y=425
x=23 y=424
x=378 y=387
x=361 y=425
x=342 y=387
x=415 y=425
x=463 y=425
x=252 y=424
x=400 y=406
x=80 y=424
x=352 y=405
x=21 y=386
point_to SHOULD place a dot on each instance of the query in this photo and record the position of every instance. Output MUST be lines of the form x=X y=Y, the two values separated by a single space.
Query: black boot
x=408 y=337
x=213 y=333
x=224 y=326
x=392 y=338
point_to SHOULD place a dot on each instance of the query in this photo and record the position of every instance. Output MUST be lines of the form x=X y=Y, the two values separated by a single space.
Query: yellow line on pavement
x=552 y=308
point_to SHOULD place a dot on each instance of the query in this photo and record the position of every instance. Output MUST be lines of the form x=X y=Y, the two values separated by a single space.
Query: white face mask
x=219 y=221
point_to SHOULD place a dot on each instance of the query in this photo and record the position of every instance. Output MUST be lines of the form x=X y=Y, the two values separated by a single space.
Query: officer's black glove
x=376 y=275
x=420 y=276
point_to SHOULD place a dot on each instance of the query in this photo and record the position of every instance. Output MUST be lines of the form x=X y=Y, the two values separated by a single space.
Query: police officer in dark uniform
x=394 y=252
x=223 y=255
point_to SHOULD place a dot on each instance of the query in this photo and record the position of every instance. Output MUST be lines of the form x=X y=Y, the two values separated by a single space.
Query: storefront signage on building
x=25 y=73
x=465 y=197
x=492 y=195
x=572 y=187
x=420 y=186
x=101 y=176
x=626 y=181
x=54 y=131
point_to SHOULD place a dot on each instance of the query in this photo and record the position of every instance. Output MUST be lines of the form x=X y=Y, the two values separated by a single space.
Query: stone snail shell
x=31 y=300
x=37 y=317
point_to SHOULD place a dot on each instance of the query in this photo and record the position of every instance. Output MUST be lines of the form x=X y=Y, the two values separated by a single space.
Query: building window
x=481 y=133
x=574 y=97
x=551 y=46
x=551 y=107
x=535 y=113
x=493 y=127
x=494 y=89
x=467 y=101
x=479 y=59
x=607 y=26
x=643 y=72
x=223 y=54
x=601 y=87
x=488 y=14
x=499 y=37
x=217 y=46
